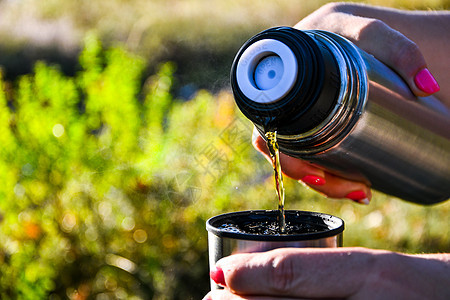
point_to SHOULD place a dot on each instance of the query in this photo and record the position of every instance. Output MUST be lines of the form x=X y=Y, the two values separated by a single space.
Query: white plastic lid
x=266 y=71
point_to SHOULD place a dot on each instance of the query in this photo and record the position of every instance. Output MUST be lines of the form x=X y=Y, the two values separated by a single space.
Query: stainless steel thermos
x=339 y=108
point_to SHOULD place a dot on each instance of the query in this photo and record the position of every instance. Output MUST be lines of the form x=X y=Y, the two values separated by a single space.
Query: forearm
x=423 y=27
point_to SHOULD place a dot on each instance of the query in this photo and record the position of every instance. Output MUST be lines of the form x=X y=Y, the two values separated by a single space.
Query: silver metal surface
x=222 y=243
x=379 y=132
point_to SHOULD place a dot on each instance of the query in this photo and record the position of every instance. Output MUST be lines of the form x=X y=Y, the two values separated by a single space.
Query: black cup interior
x=248 y=225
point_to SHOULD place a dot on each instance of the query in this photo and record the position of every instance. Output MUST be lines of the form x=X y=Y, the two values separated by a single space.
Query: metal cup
x=325 y=231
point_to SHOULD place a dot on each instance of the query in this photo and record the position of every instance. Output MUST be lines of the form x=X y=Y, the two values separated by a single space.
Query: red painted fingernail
x=217 y=275
x=425 y=81
x=356 y=195
x=314 y=180
x=359 y=197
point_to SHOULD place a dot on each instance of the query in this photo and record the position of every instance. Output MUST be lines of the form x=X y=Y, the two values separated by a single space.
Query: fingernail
x=207 y=297
x=364 y=201
x=314 y=180
x=255 y=135
x=356 y=195
x=425 y=81
x=217 y=275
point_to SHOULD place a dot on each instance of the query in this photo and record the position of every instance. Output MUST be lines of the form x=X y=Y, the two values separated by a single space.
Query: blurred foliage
x=107 y=179
x=200 y=36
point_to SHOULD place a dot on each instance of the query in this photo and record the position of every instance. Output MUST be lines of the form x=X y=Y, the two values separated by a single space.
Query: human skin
x=333 y=273
x=408 y=42
x=413 y=43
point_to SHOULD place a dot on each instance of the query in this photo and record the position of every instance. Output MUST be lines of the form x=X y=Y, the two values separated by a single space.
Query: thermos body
x=341 y=109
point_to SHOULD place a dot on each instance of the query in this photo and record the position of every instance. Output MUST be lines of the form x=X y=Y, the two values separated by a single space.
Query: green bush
x=107 y=182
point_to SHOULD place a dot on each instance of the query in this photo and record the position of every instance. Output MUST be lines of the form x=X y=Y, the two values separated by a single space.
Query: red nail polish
x=217 y=275
x=314 y=180
x=356 y=195
x=425 y=81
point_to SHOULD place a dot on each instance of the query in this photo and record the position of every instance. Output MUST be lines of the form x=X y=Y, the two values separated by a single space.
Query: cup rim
x=335 y=225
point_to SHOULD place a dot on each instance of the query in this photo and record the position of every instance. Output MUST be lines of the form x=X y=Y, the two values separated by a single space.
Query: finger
x=260 y=144
x=338 y=187
x=292 y=167
x=222 y=294
x=383 y=42
x=324 y=182
x=228 y=295
x=303 y=273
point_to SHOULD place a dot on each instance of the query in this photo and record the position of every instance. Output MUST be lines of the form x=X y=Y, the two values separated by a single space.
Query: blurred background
x=120 y=138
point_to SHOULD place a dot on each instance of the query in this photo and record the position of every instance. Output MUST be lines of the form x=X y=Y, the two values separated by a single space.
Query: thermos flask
x=337 y=107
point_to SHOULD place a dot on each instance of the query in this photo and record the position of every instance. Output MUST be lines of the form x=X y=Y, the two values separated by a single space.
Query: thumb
x=293 y=272
x=400 y=53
